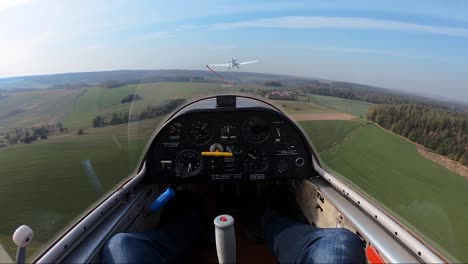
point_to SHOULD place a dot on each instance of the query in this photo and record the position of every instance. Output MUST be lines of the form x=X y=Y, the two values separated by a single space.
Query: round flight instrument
x=189 y=163
x=256 y=162
x=229 y=133
x=200 y=132
x=174 y=131
x=256 y=130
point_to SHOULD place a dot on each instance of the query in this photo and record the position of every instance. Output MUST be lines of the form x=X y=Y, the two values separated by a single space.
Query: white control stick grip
x=22 y=237
x=225 y=238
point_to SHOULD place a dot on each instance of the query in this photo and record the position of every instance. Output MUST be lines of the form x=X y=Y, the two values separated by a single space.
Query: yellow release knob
x=216 y=154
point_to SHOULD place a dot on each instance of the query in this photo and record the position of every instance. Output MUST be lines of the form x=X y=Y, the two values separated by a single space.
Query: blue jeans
x=294 y=242
x=290 y=241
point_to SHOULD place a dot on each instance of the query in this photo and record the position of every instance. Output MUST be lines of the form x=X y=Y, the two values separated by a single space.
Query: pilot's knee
x=350 y=245
x=336 y=245
x=349 y=236
x=344 y=236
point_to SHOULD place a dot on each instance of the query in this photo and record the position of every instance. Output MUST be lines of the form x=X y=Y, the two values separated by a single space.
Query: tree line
x=29 y=135
x=272 y=83
x=437 y=129
x=118 y=118
x=131 y=98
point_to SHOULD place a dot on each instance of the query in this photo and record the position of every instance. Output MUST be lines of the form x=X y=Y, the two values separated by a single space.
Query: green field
x=319 y=104
x=42 y=106
x=300 y=107
x=107 y=101
x=421 y=193
x=336 y=131
x=352 y=107
x=45 y=184
x=77 y=107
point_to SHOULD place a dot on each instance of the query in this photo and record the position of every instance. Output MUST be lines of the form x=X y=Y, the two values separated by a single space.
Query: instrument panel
x=229 y=144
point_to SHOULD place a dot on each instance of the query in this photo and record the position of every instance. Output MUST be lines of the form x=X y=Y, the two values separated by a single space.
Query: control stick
x=225 y=238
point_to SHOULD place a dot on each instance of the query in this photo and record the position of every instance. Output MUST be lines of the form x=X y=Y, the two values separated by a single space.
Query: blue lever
x=162 y=199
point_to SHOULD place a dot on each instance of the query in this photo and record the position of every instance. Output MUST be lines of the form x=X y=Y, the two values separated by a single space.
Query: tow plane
x=232 y=64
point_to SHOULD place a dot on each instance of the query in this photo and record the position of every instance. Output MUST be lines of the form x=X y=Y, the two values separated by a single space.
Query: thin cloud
x=389 y=53
x=357 y=23
x=360 y=50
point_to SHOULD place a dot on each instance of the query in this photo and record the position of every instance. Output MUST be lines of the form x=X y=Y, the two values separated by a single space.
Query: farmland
x=22 y=109
x=355 y=108
x=107 y=101
x=337 y=130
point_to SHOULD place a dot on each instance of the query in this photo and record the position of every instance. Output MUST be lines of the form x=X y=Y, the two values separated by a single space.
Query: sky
x=415 y=46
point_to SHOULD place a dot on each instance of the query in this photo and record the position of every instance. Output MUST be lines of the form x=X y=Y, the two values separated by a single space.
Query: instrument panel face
x=216 y=145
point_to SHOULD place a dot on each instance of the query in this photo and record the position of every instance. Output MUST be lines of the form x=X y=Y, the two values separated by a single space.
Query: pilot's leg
x=171 y=242
x=294 y=242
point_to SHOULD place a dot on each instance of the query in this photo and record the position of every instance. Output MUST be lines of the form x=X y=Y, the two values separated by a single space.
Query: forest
x=442 y=131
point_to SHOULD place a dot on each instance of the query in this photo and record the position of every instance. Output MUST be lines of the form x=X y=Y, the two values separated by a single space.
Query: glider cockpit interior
x=226 y=158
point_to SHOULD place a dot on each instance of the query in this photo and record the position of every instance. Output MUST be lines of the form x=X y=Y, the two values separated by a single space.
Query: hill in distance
x=92 y=78
x=112 y=79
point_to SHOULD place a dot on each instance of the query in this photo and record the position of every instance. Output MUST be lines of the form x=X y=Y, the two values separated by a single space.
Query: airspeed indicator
x=189 y=163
